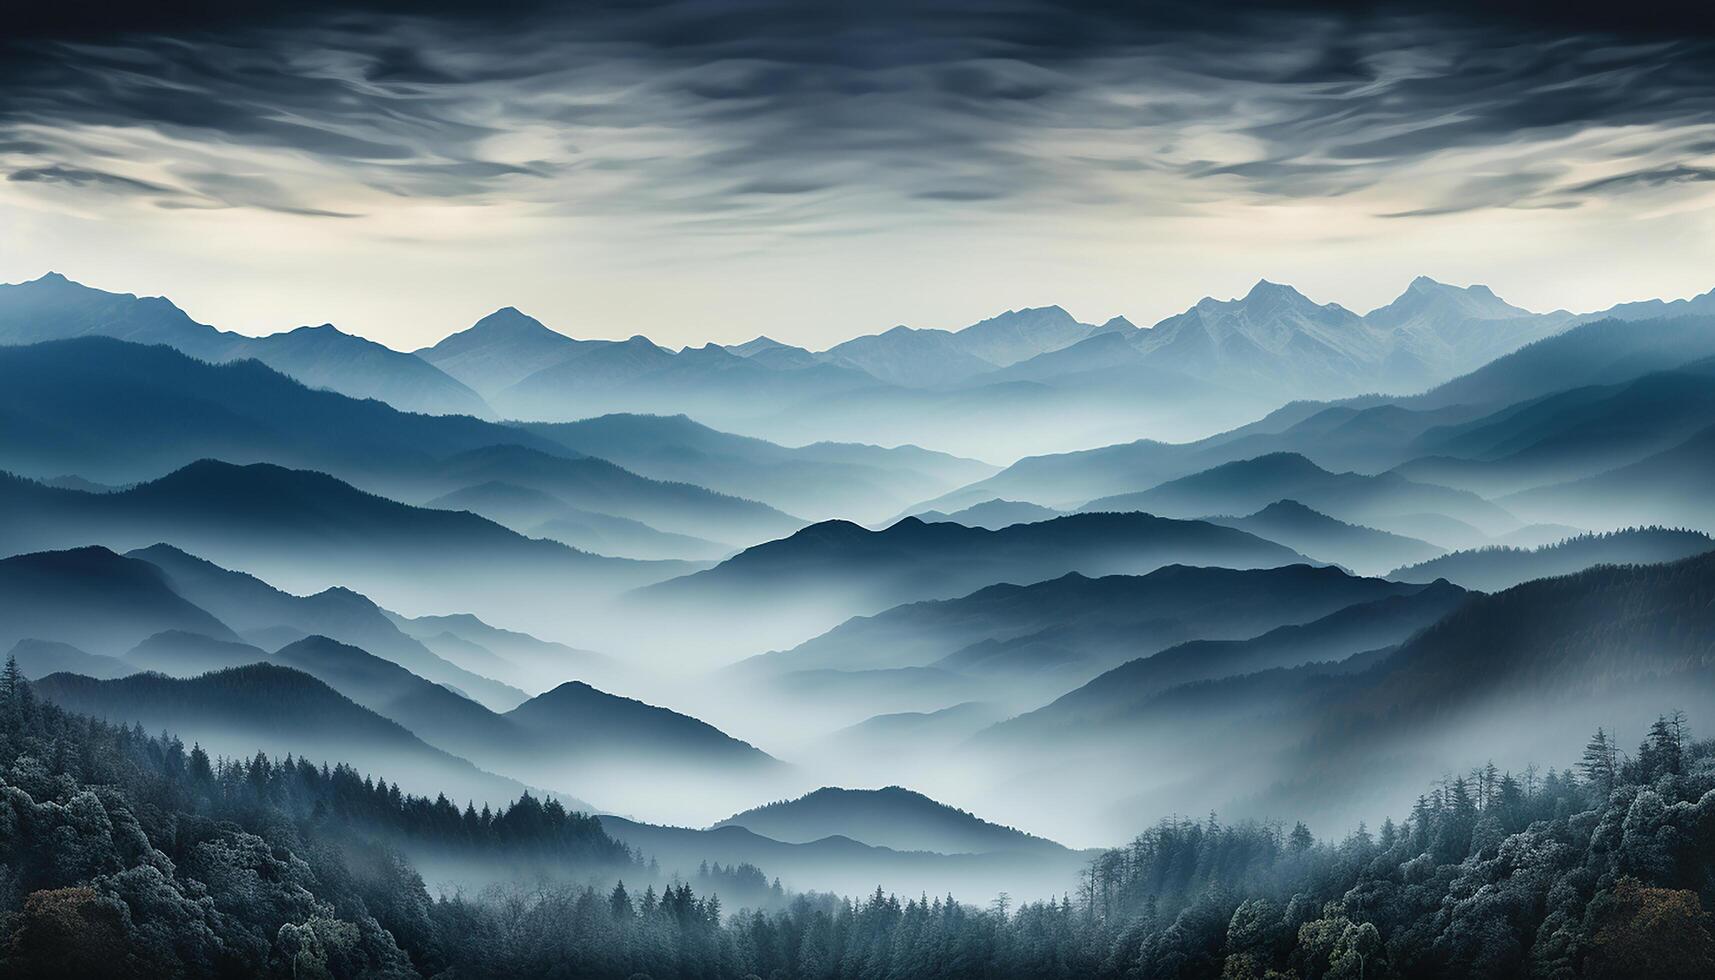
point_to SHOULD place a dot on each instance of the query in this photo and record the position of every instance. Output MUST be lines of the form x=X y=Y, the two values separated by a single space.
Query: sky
x=702 y=170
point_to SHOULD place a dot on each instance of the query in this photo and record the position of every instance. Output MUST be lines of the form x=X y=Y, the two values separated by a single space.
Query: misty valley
x=1387 y=652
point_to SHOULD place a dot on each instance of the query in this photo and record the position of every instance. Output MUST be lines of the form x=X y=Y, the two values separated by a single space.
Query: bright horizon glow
x=813 y=175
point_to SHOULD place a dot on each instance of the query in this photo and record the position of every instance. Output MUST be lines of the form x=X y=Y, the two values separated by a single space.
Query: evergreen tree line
x=125 y=855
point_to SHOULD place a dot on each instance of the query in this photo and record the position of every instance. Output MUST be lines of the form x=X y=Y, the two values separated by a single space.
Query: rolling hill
x=257 y=609
x=1667 y=488
x=518 y=658
x=891 y=817
x=538 y=514
x=993 y=514
x=592 y=484
x=1497 y=568
x=94 y=600
x=177 y=653
x=1246 y=486
x=1363 y=549
x=821 y=480
x=831 y=571
x=1021 y=646
x=1130 y=687
x=277 y=710
x=39 y=658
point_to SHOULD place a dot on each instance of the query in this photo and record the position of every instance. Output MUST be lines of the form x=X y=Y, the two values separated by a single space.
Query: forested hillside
x=125 y=855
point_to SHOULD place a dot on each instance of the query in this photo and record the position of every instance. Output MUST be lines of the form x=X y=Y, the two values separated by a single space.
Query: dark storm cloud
x=1647 y=178
x=720 y=107
x=79 y=177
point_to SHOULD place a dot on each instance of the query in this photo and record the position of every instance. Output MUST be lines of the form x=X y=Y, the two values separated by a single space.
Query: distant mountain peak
x=1429 y=298
x=1040 y=313
x=1282 y=508
x=756 y=345
x=511 y=320
x=1264 y=287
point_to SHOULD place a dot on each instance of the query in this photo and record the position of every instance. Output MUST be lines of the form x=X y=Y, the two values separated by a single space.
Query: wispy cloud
x=709 y=106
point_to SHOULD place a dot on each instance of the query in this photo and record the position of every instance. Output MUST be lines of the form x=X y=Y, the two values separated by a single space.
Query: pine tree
x=16 y=698
x=619 y=903
x=202 y=772
x=1660 y=754
x=1600 y=765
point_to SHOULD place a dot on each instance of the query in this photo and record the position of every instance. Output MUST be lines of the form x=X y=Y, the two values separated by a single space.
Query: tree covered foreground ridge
x=125 y=855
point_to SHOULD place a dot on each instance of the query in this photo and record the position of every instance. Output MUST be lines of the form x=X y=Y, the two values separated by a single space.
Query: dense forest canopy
x=128 y=855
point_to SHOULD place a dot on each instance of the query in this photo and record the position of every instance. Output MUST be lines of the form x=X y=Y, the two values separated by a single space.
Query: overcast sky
x=698 y=170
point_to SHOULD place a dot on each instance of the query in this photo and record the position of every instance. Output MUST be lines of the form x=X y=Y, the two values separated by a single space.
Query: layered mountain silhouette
x=819 y=480
x=577 y=718
x=847 y=866
x=1362 y=549
x=1029 y=640
x=118 y=412
x=307 y=531
x=1040 y=369
x=536 y=513
x=1369 y=433
x=277 y=710
x=518 y=658
x=265 y=614
x=891 y=817
x=39 y=658
x=1129 y=688
x=1517 y=669
x=636 y=375
x=1497 y=568
x=94 y=600
x=55 y=308
x=828 y=572
x=993 y=514
x=1668 y=488
x=1386 y=500
x=578 y=735
x=1275 y=336
x=123 y=413
x=1568 y=435
x=592 y=484
x=178 y=653
x=887 y=736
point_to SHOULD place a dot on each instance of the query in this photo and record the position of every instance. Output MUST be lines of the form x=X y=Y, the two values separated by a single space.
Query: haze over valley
x=744 y=619
x=737 y=490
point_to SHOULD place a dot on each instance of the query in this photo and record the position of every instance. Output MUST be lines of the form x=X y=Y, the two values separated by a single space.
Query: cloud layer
x=757 y=125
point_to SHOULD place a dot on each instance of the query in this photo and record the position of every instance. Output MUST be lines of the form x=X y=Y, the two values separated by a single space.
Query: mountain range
x=278 y=710
x=269 y=617
x=1362 y=549
x=831 y=571
x=1230 y=358
x=309 y=531
x=1371 y=434
x=1508 y=671
x=55 y=308
x=1356 y=545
